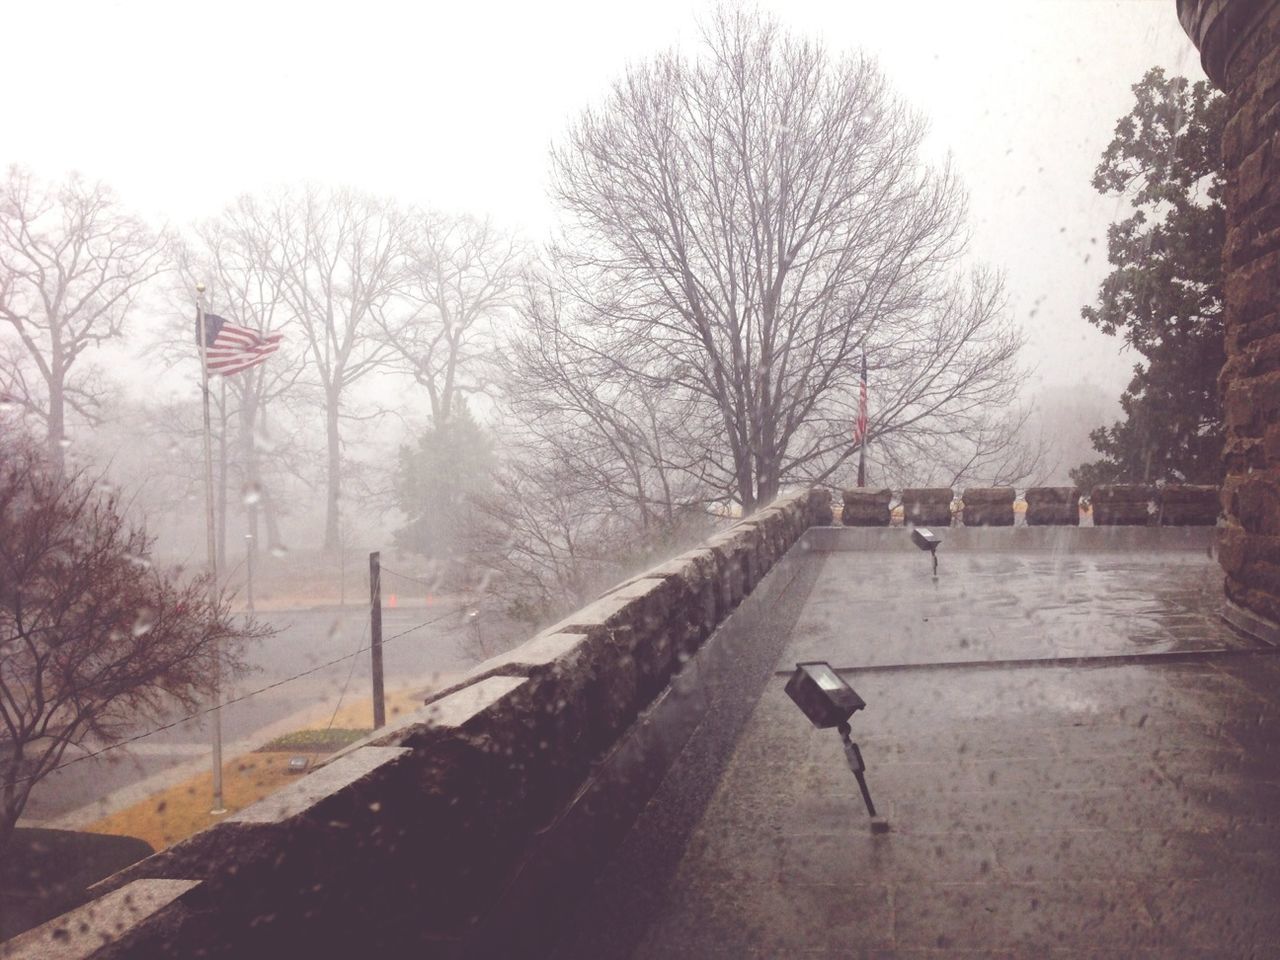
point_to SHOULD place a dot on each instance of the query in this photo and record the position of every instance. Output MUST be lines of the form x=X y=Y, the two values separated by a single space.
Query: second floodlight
x=926 y=539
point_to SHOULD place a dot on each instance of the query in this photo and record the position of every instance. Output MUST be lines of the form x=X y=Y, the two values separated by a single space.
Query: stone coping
x=1067 y=539
x=83 y=932
x=301 y=796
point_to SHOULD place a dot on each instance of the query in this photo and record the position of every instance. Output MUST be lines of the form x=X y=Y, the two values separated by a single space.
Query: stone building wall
x=1239 y=42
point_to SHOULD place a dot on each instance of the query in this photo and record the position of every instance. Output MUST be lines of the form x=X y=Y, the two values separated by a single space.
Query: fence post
x=375 y=634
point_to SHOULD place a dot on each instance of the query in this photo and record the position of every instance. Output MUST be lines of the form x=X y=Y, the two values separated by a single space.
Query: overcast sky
x=182 y=106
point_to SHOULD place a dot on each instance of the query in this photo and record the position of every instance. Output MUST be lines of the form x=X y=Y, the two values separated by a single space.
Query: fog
x=454 y=110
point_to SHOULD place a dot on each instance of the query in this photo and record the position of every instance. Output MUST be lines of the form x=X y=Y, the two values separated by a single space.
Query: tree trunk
x=57 y=425
x=8 y=823
x=746 y=480
x=768 y=487
x=331 y=517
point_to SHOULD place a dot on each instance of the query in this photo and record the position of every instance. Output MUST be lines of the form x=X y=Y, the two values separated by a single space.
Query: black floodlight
x=829 y=702
x=823 y=696
x=926 y=539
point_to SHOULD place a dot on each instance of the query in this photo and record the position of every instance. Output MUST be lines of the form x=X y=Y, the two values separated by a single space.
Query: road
x=306 y=641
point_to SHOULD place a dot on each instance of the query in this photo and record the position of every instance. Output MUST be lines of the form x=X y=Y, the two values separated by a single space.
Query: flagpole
x=862 y=415
x=210 y=542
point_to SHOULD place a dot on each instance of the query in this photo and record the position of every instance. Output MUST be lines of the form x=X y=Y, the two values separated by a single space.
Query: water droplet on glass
x=146 y=619
x=252 y=495
x=279 y=550
x=65 y=443
x=262 y=440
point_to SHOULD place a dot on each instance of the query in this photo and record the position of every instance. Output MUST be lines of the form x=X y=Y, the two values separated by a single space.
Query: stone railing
x=404 y=841
x=1112 y=505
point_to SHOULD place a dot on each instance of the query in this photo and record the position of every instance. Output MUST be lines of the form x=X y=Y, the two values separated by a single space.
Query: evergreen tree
x=437 y=481
x=1164 y=295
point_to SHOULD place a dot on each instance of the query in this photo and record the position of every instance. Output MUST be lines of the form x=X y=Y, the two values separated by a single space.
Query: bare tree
x=72 y=265
x=634 y=440
x=93 y=639
x=741 y=229
x=460 y=272
x=340 y=257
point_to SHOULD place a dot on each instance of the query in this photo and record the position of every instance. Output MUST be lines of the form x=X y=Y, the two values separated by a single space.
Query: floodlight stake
x=854 y=756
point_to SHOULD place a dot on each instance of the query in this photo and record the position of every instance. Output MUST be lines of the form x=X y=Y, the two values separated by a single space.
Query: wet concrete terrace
x=1116 y=799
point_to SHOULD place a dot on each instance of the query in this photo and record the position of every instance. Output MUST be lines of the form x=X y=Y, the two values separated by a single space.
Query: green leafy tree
x=1164 y=293
x=437 y=481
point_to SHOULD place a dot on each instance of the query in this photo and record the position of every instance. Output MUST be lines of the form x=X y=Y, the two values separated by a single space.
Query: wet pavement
x=1125 y=803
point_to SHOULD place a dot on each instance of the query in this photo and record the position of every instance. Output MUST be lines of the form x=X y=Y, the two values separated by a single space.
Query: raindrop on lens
x=262 y=440
x=146 y=619
x=252 y=495
x=279 y=550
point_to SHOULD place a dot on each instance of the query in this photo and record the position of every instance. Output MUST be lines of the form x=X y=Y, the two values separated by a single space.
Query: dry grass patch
x=182 y=810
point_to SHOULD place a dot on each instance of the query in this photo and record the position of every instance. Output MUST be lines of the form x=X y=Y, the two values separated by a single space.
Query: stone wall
x=1113 y=505
x=927 y=506
x=1240 y=47
x=1124 y=505
x=866 y=508
x=402 y=843
x=1053 y=506
x=988 y=507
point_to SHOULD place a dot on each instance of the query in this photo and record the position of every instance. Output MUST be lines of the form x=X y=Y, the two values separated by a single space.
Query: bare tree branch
x=72 y=266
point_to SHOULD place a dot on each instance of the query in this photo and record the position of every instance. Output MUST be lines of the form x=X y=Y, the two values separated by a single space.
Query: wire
x=405 y=576
x=227 y=703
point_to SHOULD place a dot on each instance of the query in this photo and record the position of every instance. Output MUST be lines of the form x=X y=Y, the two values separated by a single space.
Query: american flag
x=860 y=428
x=230 y=349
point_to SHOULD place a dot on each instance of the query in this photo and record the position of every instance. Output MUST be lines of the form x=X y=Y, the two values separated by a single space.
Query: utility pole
x=375 y=635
